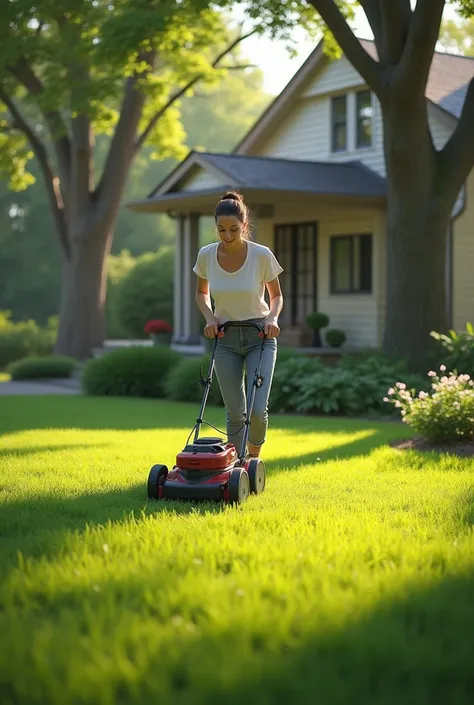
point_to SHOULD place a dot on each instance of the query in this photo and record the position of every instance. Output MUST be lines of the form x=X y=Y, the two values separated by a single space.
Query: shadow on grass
x=15 y=452
x=37 y=526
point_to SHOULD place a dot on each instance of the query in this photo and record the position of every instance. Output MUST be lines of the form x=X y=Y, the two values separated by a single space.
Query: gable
x=201 y=179
x=335 y=76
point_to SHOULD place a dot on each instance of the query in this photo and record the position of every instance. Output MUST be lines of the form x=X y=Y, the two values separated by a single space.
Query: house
x=312 y=170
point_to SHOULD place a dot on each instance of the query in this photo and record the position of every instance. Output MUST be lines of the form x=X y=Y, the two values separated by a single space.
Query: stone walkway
x=44 y=386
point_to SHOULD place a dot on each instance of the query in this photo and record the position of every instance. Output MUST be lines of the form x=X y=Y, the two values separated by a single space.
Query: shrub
x=287 y=378
x=316 y=320
x=352 y=388
x=335 y=337
x=42 y=367
x=136 y=371
x=24 y=339
x=183 y=382
x=445 y=415
x=146 y=293
x=457 y=349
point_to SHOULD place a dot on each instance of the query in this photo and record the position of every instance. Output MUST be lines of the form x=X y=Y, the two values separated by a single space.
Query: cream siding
x=202 y=180
x=463 y=262
x=338 y=75
x=357 y=314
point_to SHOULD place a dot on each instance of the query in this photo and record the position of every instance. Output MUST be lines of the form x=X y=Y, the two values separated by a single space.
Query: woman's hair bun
x=232 y=196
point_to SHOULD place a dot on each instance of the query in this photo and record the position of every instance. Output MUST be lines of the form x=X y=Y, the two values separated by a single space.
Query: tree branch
x=122 y=146
x=374 y=17
x=50 y=180
x=396 y=19
x=176 y=96
x=456 y=159
x=369 y=69
x=25 y=75
x=415 y=63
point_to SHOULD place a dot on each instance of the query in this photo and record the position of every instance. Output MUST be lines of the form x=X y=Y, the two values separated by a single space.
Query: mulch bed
x=463 y=449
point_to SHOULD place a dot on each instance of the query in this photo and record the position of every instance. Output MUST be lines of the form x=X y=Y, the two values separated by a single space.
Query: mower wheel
x=256 y=471
x=156 y=477
x=239 y=486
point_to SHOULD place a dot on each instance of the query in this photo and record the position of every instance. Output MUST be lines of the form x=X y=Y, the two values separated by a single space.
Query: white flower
x=431 y=373
x=442 y=368
x=391 y=391
x=401 y=385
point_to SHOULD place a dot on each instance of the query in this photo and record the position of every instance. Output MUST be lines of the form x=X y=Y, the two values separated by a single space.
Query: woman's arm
x=203 y=301
x=276 y=304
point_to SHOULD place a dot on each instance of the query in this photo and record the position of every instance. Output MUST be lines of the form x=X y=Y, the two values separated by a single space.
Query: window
x=296 y=249
x=339 y=124
x=364 y=117
x=351 y=264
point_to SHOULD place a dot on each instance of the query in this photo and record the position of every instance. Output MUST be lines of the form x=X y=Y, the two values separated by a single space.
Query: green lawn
x=350 y=581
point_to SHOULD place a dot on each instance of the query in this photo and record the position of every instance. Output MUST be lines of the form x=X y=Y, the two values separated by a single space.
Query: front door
x=296 y=248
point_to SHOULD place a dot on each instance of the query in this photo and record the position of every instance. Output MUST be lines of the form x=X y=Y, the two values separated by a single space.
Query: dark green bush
x=145 y=293
x=316 y=320
x=54 y=366
x=136 y=371
x=24 y=339
x=335 y=337
x=351 y=387
x=183 y=381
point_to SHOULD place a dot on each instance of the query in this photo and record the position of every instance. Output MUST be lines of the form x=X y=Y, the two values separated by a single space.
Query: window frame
x=334 y=123
x=351 y=237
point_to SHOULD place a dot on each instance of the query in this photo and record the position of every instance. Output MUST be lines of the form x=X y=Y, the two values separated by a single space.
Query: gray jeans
x=236 y=352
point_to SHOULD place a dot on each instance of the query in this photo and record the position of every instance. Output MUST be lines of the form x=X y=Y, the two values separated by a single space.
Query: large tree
x=423 y=183
x=72 y=69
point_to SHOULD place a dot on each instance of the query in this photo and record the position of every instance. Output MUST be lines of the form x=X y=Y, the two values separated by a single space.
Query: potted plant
x=335 y=337
x=159 y=331
x=315 y=321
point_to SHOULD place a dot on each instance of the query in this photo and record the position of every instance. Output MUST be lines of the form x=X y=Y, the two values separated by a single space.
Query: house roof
x=267 y=180
x=348 y=178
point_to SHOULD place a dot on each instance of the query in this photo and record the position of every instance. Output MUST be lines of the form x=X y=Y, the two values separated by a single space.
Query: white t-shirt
x=238 y=295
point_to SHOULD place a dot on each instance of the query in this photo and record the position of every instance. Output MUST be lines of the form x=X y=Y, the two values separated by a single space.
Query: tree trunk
x=418 y=221
x=83 y=295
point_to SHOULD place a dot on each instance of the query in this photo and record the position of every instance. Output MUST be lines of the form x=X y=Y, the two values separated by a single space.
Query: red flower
x=157 y=326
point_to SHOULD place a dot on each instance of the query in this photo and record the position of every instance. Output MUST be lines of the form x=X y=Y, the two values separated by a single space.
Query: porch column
x=191 y=333
x=178 y=330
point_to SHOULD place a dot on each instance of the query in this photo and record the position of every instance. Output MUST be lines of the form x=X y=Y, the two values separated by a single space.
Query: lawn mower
x=212 y=468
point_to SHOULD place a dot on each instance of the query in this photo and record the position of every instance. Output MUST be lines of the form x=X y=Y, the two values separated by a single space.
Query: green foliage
x=446 y=415
x=457 y=349
x=335 y=337
x=53 y=366
x=316 y=320
x=183 y=382
x=146 y=292
x=137 y=372
x=307 y=385
x=19 y=340
x=458 y=36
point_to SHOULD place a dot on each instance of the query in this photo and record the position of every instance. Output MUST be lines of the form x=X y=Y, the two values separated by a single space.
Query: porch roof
x=263 y=180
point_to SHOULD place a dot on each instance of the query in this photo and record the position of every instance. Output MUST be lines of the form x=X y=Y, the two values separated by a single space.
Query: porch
x=324 y=222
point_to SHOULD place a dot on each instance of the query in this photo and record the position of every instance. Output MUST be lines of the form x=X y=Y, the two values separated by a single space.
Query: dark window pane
x=341 y=264
x=364 y=119
x=339 y=121
x=365 y=263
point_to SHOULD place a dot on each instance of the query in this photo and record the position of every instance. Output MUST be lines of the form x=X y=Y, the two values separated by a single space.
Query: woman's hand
x=272 y=329
x=211 y=329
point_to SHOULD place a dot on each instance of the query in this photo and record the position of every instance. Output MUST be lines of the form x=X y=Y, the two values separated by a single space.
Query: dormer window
x=364 y=115
x=339 y=124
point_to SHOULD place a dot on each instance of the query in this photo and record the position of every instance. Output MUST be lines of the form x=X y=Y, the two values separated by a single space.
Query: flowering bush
x=157 y=326
x=457 y=349
x=446 y=415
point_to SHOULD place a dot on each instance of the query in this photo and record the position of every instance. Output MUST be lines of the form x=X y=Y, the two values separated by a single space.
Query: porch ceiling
x=265 y=182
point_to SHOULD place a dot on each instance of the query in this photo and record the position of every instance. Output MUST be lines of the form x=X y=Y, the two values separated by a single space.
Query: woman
x=236 y=271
